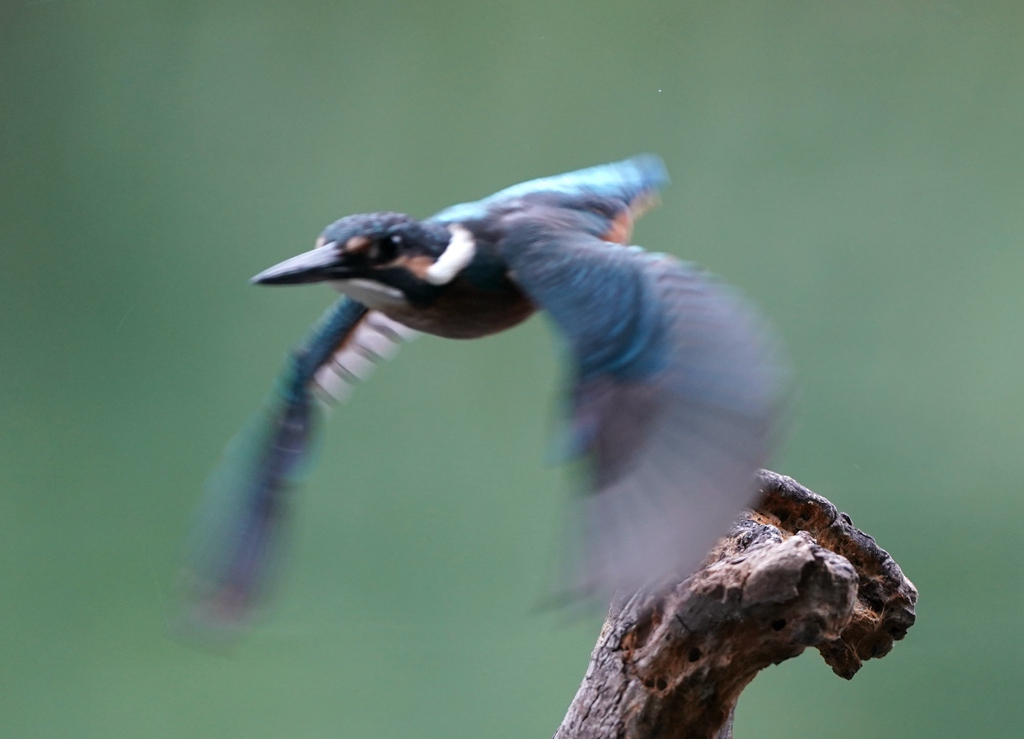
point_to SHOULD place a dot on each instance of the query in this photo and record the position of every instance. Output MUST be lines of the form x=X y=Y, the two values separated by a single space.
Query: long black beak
x=322 y=263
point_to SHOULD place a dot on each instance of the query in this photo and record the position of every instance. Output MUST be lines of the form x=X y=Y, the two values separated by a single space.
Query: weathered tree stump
x=794 y=573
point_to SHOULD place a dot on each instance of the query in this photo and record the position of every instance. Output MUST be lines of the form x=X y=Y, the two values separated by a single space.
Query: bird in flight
x=678 y=389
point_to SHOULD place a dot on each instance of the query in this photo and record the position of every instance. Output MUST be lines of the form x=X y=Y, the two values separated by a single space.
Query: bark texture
x=794 y=573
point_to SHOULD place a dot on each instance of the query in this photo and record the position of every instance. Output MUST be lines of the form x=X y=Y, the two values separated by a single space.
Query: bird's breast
x=466 y=311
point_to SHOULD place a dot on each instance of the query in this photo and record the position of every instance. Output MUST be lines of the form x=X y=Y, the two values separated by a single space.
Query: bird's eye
x=385 y=250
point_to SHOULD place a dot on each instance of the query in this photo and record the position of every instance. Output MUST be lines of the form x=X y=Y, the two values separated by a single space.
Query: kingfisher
x=677 y=386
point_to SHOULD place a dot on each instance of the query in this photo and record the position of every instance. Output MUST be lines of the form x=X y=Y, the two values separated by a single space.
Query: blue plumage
x=242 y=519
x=678 y=389
x=623 y=181
x=678 y=394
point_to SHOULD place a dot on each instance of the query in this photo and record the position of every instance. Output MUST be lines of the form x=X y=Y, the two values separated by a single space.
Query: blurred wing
x=679 y=396
x=628 y=188
x=237 y=538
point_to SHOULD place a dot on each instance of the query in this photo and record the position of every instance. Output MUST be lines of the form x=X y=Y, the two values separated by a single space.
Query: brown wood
x=792 y=574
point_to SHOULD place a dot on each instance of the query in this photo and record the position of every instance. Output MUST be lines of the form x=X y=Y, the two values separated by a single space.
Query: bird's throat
x=374 y=295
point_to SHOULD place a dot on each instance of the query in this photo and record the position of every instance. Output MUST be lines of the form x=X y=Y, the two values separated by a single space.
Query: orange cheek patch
x=356 y=243
x=418 y=265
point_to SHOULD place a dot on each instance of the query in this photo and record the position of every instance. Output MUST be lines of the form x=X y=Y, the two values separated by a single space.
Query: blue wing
x=237 y=538
x=678 y=398
x=630 y=182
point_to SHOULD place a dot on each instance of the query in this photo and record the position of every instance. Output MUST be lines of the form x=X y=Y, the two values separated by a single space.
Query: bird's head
x=380 y=259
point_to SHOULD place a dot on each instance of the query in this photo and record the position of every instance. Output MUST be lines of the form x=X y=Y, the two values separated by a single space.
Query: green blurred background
x=855 y=166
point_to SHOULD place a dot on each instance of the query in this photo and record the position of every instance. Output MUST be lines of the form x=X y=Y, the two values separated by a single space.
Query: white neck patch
x=459 y=253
